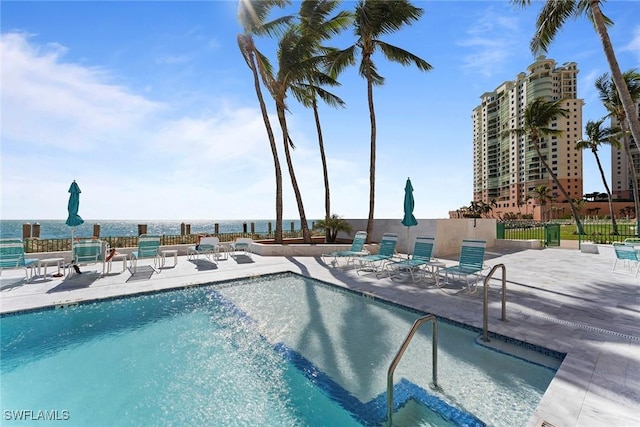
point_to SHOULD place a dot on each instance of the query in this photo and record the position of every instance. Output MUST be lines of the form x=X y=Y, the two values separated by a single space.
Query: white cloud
x=492 y=40
x=634 y=43
x=132 y=157
x=47 y=102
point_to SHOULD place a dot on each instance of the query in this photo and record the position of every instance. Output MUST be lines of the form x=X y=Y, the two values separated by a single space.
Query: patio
x=560 y=299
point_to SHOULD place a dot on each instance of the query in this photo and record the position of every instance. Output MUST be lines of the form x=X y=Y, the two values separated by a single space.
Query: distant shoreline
x=57 y=229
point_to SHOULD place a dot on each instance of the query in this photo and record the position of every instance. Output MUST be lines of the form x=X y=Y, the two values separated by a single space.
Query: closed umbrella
x=73 y=220
x=409 y=220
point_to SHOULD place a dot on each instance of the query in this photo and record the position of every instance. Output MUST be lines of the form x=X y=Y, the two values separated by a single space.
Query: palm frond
x=401 y=56
x=264 y=69
x=598 y=135
x=368 y=70
x=329 y=98
x=252 y=15
x=553 y=15
x=583 y=7
x=337 y=61
x=377 y=17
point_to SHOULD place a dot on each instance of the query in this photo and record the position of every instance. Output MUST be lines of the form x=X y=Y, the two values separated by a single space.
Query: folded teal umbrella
x=73 y=220
x=409 y=220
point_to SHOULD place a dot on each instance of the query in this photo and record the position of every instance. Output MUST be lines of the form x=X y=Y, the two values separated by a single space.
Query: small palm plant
x=333 y=225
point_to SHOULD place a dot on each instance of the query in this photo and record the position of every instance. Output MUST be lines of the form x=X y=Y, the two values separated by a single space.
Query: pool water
x=275 y=351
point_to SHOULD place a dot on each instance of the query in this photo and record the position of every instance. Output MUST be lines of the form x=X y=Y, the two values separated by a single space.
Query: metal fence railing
x=521 y=230
x=32 y=245
x=594 y=231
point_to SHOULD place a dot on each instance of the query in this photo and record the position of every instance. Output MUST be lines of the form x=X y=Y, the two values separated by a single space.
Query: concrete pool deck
x=560 y=299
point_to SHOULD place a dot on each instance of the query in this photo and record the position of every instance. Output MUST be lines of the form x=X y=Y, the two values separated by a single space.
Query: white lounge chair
x=420 y=259
x=376 y=263
x=12 y=256
x=242 y=244
x=470 y=264
x=210 y=247
x=148 y=247
x=87 y=251
x=356 y=250
x=629 y=256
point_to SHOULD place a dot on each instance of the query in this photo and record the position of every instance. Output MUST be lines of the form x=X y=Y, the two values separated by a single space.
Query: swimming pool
x=274 y=350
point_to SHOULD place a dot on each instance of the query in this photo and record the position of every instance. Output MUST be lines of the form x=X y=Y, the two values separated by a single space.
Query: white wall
x=449 y=233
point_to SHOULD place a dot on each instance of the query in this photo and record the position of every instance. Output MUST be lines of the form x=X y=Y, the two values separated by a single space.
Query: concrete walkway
x=560 y=299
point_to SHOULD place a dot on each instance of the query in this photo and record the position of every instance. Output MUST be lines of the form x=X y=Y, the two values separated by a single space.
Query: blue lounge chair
x=628 y=255
x=87 y=251
x=356 y=250
x=242 y=244
x=12 y=256
x=471 y=262
x=419 y=261
x=376 y=263
x=208 y=246
x=148 y=247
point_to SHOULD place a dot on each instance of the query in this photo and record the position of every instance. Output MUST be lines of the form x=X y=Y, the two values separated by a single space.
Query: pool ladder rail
x=485 y=305
x=434 y=350
x=434 y=346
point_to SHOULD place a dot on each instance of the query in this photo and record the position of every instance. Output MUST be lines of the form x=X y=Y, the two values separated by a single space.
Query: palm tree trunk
x=325 y=171
x=372 y=161
x=632 y=169
x=616 y=75
x=576 y=216
x=606 y=187
x=627 y=102
x=306 y=236
x=274 y=150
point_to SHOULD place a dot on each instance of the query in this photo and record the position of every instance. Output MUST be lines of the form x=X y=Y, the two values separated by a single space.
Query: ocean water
x=57 y=229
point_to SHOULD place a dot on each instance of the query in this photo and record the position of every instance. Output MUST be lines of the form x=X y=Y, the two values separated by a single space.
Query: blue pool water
x=272 y=351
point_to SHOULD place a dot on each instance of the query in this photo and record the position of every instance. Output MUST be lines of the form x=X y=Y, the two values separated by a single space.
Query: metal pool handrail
x=485 y=312
x=403 y=347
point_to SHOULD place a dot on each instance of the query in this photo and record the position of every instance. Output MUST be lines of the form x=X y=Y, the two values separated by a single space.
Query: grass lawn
x=596 y=232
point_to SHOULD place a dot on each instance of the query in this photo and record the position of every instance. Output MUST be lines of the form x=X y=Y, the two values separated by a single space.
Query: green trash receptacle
x=552 y=234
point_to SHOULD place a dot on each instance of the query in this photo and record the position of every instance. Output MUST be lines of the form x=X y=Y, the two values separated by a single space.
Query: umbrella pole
x=408 y=228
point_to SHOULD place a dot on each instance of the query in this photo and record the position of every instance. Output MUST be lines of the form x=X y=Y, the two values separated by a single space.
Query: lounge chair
x=376 y=263
x=242 y=244
x=148 y=247
x=419 y=261
x=12 y=256
x=87 y=251
x=208 y=246
x=356 y=250
x=628 y=255
x=471 y=262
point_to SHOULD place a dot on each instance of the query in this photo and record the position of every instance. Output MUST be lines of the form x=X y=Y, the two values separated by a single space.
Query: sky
x=150 y=107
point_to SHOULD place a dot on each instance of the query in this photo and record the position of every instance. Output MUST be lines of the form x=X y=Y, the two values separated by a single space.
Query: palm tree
x=474 y=210
x=252 y=15
x=597 y=136
x=542 y=194
x=610 y=98
x=493 y=203
x=314 y=22
x=333 y=225
x=373 y=19
x=298 y=64
x=552 y=17
x=537 y=117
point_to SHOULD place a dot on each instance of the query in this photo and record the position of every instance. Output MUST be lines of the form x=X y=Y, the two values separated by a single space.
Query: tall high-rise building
x=506 y=167
x=621 y=178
